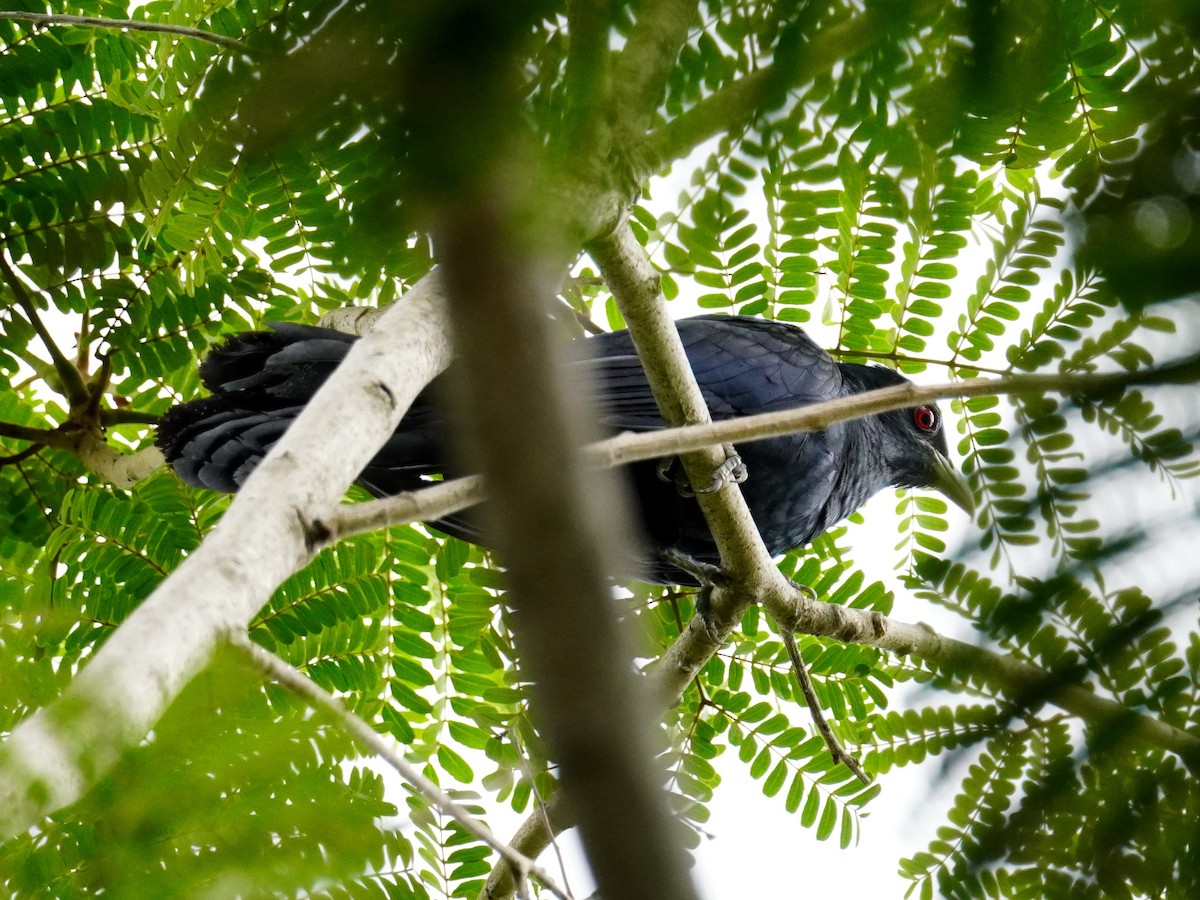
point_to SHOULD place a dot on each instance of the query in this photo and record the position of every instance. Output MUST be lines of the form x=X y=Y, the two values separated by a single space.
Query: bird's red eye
x=926 y=418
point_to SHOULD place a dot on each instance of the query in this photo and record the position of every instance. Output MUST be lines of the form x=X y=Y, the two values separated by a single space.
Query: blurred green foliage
x=962 y=188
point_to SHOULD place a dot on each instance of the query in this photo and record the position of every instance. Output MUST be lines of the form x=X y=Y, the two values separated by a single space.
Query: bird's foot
x=732 y=470
x=808 y=591
x=797 y=609
x=666 y=469
x=709 y=577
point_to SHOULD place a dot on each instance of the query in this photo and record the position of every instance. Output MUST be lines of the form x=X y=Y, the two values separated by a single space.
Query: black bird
x=797 y=486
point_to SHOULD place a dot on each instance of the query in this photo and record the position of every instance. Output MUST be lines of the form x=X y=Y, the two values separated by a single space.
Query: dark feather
x=798 y=486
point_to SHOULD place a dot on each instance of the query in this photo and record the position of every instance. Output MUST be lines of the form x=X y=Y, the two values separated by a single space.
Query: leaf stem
x=41 y=20
x=836 y=750
x=73 y=386
x=295 y=681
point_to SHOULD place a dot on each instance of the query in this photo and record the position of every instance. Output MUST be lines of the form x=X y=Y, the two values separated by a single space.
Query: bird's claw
x=709 y=577
x=714 y=633
x=732 y=470
x=704 y=608
x=664 y=467
x=800 y=605
x=808 y=591
x=704 y=573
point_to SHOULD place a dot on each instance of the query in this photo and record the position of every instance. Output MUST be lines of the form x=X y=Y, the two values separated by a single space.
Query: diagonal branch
x=44 y=436
x=836 y=750
x=457 y=494
x=41 y=20
x=855 y=626
x=88 y=444
x=744 y=558
x=1027 y=685
x=295 y=681
x=72 y=380
x=736 y=535
x=635 y=285
x=21 y=455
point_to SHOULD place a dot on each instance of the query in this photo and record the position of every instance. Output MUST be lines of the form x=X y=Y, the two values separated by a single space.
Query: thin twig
x=22 y=455
x=72 y=381
x=899 y=358
x=836 y=750
x=294 y=680
x=452 y=496
x=26 y=433
x=540 y=803
x=584 y=322
x=42 y=20
x=427 y=504
x=127 y=417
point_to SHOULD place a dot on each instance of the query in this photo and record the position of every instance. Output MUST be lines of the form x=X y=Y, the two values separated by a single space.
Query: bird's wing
x=756 y=366
x=743 y=366
x=626 y=401
x=290 y=361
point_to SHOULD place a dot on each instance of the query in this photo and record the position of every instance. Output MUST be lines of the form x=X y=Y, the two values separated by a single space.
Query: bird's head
x=914 y=444
x=919 y=456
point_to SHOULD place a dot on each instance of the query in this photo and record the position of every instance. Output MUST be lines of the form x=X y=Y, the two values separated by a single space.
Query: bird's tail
x=260 y=381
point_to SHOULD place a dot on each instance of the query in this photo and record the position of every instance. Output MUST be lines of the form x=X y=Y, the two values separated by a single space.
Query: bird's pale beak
x=949 y=481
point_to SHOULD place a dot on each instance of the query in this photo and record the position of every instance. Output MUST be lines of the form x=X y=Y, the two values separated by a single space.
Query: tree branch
x=632 y=277
x=644 y=65
x=505 y=246
x=41 y=20
x=21 y=455
x=122 y=470
x=1024 y=683
x=533 y=836
x=57 y=753
x=865 y=628
x=546 y=509
x=26 y=433
x=72 y=380
x=296 y=682
x=356 y=320
x=585 y=77
x=88 y=444
x=457 y=494
x=836 y=750
x=635 y=286
x=1018 y=680
x=434 y=502
x=83 y=432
